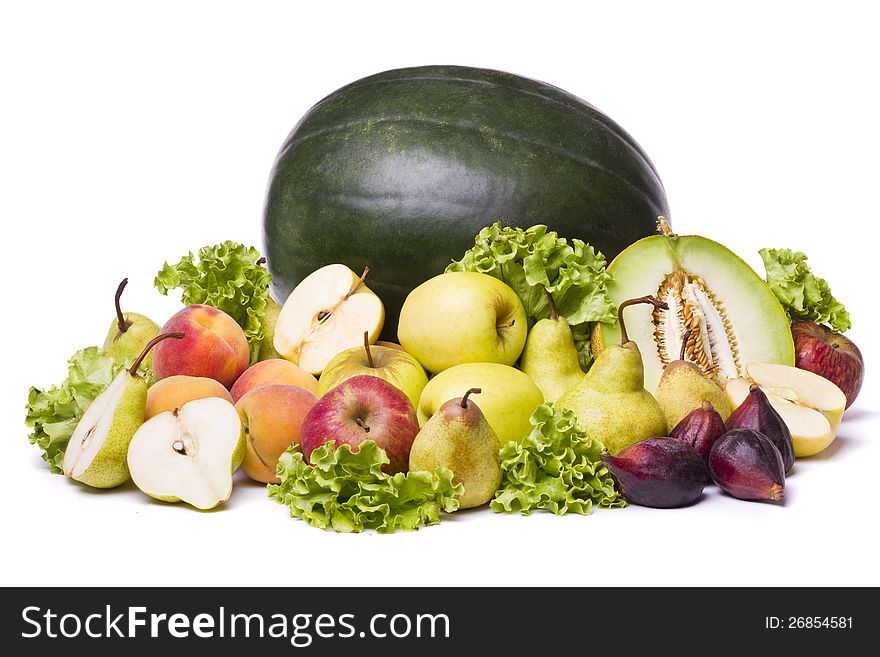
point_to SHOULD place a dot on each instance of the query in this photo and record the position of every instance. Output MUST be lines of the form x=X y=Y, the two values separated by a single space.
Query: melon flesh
x=756 y=328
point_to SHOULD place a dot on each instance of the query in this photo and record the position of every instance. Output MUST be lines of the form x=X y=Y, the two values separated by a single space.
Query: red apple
x=363 y=408
x=820 y=350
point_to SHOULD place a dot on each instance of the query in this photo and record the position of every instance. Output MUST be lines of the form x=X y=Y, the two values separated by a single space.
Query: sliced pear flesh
x=325 y=314
x=95 y=454
x=189 y=455
x=810 y=405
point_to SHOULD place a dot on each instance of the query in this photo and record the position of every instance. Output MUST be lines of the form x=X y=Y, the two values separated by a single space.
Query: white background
x=134 y=132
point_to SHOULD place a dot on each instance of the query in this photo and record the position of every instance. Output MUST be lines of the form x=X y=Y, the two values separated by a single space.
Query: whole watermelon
x=400 y=171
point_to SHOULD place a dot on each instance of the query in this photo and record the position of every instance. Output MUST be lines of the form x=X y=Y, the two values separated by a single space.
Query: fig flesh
x=757 y=414
x=700 y=429
x=747 y=464
x=659 y=472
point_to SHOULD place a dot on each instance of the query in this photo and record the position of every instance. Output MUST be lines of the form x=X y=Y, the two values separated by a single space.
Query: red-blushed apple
x=363 y=408
x=820 y=350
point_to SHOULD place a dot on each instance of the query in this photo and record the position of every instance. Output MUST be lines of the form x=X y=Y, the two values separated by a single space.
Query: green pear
x=684 y=387
x=611 y=403
x=97 y=451
x=266 y=348
x=550 y=357
x=129 y=332
x=459 y=437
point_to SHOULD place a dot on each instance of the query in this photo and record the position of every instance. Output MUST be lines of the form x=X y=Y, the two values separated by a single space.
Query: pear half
x=326 y=313
x=95 y=454
x=810 y=405
x=189 y=454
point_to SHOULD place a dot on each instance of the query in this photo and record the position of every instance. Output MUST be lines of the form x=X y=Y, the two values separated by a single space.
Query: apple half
x=810 y=405
x=326 y=313
x=189 y=454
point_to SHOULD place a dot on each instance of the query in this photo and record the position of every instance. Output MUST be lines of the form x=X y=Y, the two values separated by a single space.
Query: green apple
x=392 y=364
x=507 y=398
x=462 y=317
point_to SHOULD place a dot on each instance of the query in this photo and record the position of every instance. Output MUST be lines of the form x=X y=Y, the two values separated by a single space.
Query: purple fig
x=700 y=429
x=746 y=464
x=757 y=414
x=658 y=472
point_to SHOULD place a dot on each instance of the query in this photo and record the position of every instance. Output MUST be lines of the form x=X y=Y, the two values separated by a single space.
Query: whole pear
x=611 y=403
x=684 y=387
x=129 y=333
x=97 y=452
x=266 y=349
x=458 y=437
x=550 y=357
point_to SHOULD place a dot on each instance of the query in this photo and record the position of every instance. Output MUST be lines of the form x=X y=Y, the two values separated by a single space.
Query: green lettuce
x=535 y=259
x=53 y=414
x=804 y=297
x=556 y=468
x=348 y=492
x=227 y=276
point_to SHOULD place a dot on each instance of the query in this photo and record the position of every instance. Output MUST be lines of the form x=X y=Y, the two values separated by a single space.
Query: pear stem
x=152 y=343
x=367 y=349
x=472 y=391
x=357 y=284
x=554 y=313
x=624 y=338
x=684 y=343
x=663 y=227
x=120 y=318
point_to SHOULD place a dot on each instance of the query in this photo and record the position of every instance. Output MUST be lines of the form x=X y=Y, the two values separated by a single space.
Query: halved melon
x=734 y=317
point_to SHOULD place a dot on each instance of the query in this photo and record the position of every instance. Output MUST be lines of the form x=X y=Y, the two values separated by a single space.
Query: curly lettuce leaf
x=535 y=259
x=348 y=492
x=555 y=468
x=805 y=297
x=53 y=414
x=227 y=276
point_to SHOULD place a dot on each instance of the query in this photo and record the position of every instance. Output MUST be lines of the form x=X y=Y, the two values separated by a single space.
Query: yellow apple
x=390 y=363
x=507 y=398
x=462 y=317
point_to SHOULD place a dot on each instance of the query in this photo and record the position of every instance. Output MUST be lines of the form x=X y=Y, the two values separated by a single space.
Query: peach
x=213 y=346
x=272 y=416
x=274 y=370
x=175 y=391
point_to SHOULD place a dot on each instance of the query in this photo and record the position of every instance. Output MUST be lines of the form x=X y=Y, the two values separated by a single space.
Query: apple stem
x=357 y=284
x=684 y=344
x=152 y=343
x=507 y=325
x=120 y=318
x=363 y=425
x=367 y=349
x=472 y=391
x=261 y=260
x=554 y=313
x=624 y=338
